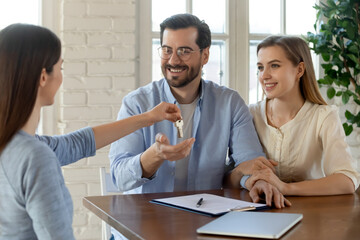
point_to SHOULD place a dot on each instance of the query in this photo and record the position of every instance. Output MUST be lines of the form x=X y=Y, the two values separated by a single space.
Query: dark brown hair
x=185 y=20
x=298 y=51
x=24 y=51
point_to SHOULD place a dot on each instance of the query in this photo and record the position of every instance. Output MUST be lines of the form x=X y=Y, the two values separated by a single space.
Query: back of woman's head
x=297 y=51
x=24 y=51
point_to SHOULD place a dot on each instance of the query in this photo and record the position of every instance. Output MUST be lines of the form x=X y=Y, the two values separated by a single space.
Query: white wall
x=99 y=51
x=98 y=39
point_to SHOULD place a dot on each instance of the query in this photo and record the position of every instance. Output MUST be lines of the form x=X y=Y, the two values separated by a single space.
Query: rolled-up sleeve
x=244 y=142
x=337 y=155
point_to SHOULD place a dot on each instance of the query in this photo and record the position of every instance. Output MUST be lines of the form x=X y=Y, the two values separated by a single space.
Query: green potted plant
x=338 y=43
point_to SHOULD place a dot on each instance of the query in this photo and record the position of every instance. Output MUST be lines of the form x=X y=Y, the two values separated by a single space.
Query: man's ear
x=43 y=78
x=205 y=55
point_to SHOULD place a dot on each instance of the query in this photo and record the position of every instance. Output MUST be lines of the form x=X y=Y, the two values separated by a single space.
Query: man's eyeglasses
x=184 y=53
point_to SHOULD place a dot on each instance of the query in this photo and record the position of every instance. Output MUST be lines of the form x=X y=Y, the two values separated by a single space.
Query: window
x=10 y=12
x=214 y=69
x=37 y=12
x=286 y=17
x=237 y=27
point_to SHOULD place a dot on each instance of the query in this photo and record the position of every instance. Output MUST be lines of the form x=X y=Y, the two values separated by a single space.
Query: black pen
x=198 y=204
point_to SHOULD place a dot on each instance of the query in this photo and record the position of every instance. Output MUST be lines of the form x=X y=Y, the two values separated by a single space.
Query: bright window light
x=19 y=11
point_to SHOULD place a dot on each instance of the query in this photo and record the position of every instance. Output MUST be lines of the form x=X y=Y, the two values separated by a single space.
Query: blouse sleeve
x=72 y=147
x=337 y=156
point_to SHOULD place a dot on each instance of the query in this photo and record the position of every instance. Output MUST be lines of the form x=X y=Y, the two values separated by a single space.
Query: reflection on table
x=327 y=217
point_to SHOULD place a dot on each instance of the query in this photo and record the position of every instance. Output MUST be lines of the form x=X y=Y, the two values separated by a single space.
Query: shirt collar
x=299 y=116
x=170 y=97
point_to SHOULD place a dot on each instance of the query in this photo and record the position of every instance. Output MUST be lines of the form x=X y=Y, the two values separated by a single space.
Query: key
x=178 y=125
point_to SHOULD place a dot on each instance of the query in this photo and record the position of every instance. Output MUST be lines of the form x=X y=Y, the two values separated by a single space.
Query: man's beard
x=174 y=80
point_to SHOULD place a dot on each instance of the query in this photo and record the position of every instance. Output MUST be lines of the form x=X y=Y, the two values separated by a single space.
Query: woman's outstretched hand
x=164 y=111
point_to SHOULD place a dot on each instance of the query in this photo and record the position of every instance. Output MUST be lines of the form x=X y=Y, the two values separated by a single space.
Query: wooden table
x=329 y=217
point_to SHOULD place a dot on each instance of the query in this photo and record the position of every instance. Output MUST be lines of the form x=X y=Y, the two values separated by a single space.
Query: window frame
x=259 y=37
x=49 y=18
x=237 y=36
x=145 y=36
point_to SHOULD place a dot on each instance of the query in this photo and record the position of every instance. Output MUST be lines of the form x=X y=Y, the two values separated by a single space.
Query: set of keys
x=179 y=125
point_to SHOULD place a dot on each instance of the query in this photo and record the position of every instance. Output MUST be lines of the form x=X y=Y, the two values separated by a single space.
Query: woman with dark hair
x=296 y=127
x=34 y=201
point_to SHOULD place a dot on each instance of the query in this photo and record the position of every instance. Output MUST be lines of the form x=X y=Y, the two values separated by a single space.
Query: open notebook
x=252 y=224
x=211 y=205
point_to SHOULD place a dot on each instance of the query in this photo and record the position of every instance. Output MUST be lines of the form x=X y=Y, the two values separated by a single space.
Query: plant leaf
x=326 y=57
x=345 y=98
x=350 y=31
x=349 y=116
x=354 y=49
x=348 y=129
x=354 y=58
x=330 y=92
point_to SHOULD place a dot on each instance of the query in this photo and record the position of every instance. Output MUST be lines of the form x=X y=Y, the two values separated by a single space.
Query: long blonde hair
x=298 y=51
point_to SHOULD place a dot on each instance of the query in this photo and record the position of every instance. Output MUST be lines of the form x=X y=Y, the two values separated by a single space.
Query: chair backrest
x=106 y=184
x=106 y=187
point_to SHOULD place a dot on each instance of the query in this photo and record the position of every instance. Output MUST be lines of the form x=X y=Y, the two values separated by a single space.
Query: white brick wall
x=99 y=51
x=98 y=39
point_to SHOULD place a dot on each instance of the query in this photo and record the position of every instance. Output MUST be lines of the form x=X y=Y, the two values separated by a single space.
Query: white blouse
x=310 y=146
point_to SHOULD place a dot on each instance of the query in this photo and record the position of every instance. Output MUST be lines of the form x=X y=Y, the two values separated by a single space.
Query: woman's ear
x=301 y=70
x=43 y=78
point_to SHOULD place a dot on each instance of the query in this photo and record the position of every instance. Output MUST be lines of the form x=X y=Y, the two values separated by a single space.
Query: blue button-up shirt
x=222 y=126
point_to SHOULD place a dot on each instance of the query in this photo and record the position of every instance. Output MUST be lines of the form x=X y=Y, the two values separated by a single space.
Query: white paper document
x=211 y=204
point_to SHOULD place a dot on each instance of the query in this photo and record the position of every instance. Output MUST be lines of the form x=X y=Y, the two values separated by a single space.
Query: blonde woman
x=296 y=127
